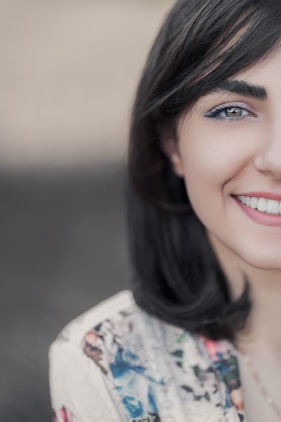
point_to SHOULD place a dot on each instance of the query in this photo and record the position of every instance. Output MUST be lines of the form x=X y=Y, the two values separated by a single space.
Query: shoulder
x=73 y=340
x=107 y=310
x=78 y=380
x=89 y=335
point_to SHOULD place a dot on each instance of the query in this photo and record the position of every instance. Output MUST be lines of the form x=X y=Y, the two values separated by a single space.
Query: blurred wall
x=67 y=78
x=68 y=73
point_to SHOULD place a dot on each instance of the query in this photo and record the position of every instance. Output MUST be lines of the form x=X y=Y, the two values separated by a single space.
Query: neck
x=262 y=332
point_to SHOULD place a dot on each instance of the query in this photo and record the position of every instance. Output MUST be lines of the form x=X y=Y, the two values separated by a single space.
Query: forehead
x=264 y=73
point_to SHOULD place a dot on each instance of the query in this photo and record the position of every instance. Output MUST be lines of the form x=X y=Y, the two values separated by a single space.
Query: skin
x=219 y=158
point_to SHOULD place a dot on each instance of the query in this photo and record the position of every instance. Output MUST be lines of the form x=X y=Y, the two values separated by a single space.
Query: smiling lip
x=256 y=215
x=266 y=195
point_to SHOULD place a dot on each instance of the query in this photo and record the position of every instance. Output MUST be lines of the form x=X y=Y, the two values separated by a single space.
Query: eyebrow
x=242 y=88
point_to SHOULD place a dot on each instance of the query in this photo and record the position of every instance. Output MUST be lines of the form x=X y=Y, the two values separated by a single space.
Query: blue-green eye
x=233 y=112
x=230 y=112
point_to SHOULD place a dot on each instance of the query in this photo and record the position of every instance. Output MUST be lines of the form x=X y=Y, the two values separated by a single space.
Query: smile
x=263 y=205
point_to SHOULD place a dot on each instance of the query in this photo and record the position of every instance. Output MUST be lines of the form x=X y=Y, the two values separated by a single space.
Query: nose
x=268 y=159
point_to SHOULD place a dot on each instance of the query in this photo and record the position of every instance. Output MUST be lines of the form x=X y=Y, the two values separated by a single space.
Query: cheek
x=212 y=157
x=203 y=163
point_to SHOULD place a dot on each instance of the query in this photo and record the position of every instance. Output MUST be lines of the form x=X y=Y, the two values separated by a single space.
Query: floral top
x=118 y=364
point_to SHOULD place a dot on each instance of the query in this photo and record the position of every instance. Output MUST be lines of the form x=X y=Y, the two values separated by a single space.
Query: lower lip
x=259 y=217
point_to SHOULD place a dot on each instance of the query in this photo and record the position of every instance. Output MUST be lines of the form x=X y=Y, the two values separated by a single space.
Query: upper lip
x=266 y=195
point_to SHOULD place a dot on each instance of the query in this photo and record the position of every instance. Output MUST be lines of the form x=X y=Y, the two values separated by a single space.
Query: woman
x=199 y=340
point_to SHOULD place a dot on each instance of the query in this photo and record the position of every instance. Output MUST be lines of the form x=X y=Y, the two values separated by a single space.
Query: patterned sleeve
x=78 y=392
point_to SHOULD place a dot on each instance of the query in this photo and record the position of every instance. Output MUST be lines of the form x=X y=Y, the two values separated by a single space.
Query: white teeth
x=268 y=206
x=261 y=205
x=272 y=207
x=254 y=202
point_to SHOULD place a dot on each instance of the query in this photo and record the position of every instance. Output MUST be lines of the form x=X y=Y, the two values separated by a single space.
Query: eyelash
x=216 y=112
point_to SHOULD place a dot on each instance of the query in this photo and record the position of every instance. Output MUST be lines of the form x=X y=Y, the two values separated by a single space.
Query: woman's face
x=229 y=153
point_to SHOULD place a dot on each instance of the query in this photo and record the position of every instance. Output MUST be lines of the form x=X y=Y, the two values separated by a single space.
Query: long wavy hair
x=176 y=275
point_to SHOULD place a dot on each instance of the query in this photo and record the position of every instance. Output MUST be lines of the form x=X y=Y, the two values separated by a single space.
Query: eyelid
x=223 y=106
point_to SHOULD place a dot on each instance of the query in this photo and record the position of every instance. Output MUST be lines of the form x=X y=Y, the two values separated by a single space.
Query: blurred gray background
x=68 y=73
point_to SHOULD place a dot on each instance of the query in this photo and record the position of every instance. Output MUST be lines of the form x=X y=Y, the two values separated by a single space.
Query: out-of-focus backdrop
x=67 y=78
